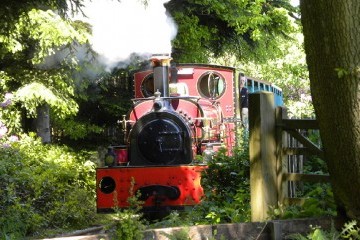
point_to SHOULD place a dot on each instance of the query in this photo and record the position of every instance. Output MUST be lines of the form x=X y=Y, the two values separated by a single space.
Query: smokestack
x=161 y=63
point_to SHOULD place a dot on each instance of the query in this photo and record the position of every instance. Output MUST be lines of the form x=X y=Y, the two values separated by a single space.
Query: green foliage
x=49 y=31
x=227 y=190
x=101 y=105
x=193 y=41
x=35 y=94
x=44 y=26
x=289 y=72
x=38 y=59
x=317 y=198
x=315 y=165
x=350 y=230
x=12 y=10
x=316 y=234
x=175 y=218
x=130 y=225
x=248 y=29
x=318 y=202
x=182 y=234
x=46 y=33
x=9 y=114
x=44 y=187
x=341 y=72
x=74 y=129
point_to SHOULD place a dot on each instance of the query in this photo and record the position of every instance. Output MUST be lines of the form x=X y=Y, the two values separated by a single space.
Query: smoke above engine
x=126 y=27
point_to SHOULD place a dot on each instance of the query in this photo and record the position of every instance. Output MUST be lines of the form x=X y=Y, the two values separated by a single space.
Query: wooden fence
x=277 y=150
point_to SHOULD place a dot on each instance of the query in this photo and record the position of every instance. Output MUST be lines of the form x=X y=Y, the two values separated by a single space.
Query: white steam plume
x=121 y=28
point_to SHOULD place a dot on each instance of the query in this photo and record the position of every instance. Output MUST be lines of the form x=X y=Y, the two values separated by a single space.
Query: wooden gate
x=277 y=150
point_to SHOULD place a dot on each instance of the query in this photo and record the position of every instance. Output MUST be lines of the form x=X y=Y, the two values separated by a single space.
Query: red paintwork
x=226 y=101
x=139 y=110
x=186 y=178
x=121 y=154
x=139 y=77
x=224 y=107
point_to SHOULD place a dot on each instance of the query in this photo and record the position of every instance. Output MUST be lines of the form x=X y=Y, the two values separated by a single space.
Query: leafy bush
x=227 y=188
x=44 y=187
x=130 y=224
x=350 y=230
x=319 y=201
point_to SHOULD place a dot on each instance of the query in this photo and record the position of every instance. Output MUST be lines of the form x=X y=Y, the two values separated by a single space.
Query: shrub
x=227 y=188
x=130 y=224
x=350 y=230
x=44 y=187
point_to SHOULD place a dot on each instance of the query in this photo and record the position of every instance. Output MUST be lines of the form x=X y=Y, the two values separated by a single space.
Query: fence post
x=262 y=149
x=281 y=158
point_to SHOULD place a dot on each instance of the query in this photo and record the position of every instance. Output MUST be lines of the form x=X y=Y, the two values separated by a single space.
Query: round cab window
x=211 y=85
x=147 y=86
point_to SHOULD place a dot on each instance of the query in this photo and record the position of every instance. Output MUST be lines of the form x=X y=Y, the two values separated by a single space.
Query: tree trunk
x=332 y=45
x=43 y=123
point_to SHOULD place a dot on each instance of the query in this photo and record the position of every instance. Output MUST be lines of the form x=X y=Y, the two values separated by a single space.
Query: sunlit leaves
x=44 y=187
x=341 y=72
x=4 y=78
x=47 y=29
x=75 y=129
x=35 y=94
x=194 y=40
x=289 y=72
x=37 y=36
x=248 y=29
x=50 y=32
x=226 y=187
x=10 y=43
x=11 y=10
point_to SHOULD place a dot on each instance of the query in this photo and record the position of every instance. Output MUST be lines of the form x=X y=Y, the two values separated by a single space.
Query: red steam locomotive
x=178 y=113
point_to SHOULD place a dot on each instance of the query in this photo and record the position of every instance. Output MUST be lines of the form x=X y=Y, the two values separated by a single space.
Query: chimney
x=161 y=63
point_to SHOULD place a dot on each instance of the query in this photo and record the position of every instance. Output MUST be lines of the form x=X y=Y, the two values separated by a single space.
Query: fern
x=350 y=230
